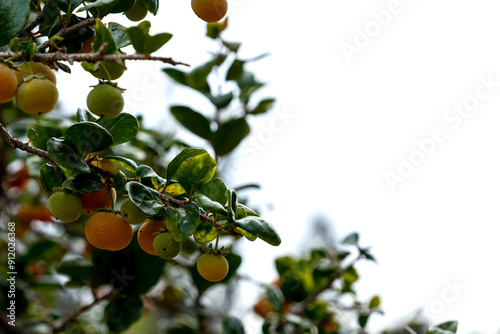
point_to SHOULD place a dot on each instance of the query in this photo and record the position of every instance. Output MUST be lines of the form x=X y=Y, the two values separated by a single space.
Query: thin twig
x=68 y=31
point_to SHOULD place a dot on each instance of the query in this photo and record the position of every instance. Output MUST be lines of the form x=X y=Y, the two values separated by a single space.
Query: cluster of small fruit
x=112 y=230
x=207 y=10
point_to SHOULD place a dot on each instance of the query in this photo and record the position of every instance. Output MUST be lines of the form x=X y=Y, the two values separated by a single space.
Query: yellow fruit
x=209 y=10
x=212 y=267
x=65 y=207
x=36 y=68
x=106 y=230
x=8 y=83
x=146 y=235
x=37 y=96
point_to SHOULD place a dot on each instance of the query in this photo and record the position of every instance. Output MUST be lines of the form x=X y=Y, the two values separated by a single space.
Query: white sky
x=340 y=126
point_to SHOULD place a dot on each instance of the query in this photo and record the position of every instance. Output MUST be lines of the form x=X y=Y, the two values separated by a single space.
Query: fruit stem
x=217 y=241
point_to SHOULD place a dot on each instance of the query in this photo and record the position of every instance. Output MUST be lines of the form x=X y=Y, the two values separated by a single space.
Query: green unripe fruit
x=137 y=12
x=109 y=70
x=166 y=247
x=131 y=213
x=105 y=101
x=65 y=207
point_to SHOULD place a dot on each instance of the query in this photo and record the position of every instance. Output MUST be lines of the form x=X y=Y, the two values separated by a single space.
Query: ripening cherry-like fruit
x=212 y=267
x=37 y=96
x=8 y=83
x=64 y=206
x=165 y=246
x=146 y=234
x=107 y=230
x=209 y=10
x=131 y=213
x=101 y=199
x=138 y=12
x=109 y=70
x=105 y=100
x=36 y=68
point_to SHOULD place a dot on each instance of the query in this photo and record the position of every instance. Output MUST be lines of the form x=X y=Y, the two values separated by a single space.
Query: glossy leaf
x=145 y=198
x=449 y=327
x=151 y=6
x=263 y=106
x=50 y=13
x=122 y=311
x=205 y=233
x=86 y=183
x=177 y=75
x=14 y=16
x=235 y=71
x=260 y=228
x=182 y=222
x=122 y=128
x=197 y=78
x=229 y=135
x=119 y=34
x=243 y=211
x=351 y=239
x=194 y=171
x=192 y=120
x=88 y=137
x=83 y=115
x=179 y=159
x=51 y=177
x=128 y=164
x=68 y=6
x=221 y=101
x=103 y=35
x=208 y=204
x=145 y=43
x=65 y=154
x=215 y=189
x=232 y=325
x=74 y=41
x=232 y=205
x=119 y=181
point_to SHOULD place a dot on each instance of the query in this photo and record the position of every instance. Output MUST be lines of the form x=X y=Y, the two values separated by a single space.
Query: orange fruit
x=263 y=308
x=106 y=230
x=8 y=83
x=209 y=10
x=146 y=234
x=36 y=68
x=98 y=200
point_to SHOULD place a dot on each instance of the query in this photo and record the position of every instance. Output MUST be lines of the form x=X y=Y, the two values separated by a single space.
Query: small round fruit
x=65 y=207
x=107 y=230
x=101 y=199
x=105 y=101
x=138 y=12
x=8 y=83
x=165 y=246
x=212 y=267
x=109 y=70
x=131 y=213
x=209 y=10
x=37 y=96
x=146 y=234
x=36 y=68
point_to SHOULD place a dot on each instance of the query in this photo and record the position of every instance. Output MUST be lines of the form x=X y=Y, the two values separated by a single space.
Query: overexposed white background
x=343 y=122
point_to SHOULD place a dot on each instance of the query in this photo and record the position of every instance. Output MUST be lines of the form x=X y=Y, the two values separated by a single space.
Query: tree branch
x=68 y=31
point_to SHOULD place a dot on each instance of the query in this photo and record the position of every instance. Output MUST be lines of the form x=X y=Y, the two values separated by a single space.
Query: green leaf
x=205 y=233
x=51 y=177
x=68 y=6
x=363 y=320
x=374 y=302
x=232 y=205
x=145 y=198
x=350 y=275
x=449 y=327
x=64 y=153
x=88 y=137
x=176 y=75
x=263 y=106
x=145 y=171
x=86 y=183
x=235 y=71
x=119 y=34
x=233 y=46
x=229 y=135
x=80 y=271
x=131 y=270
x=182 y=222
x=103 y=35
x=122 y=312
x=74 y=41
x=128 y=164
x=14 y=16
x=151 y=6
x=197 y=79
x=260 y=228
x=215 y=189
x=351 y=239
x=101 y=8
x=50 y=13
x=123 y=128
x=179 y=159
x=145 y=43
x=232 y=325
x=83 y=115
x=221 y=101
x=209 y=205
x=243 y=211
x=119 y=181
x=275 y=297
x=193 y=121
x=195 y=172
x=214 y=29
